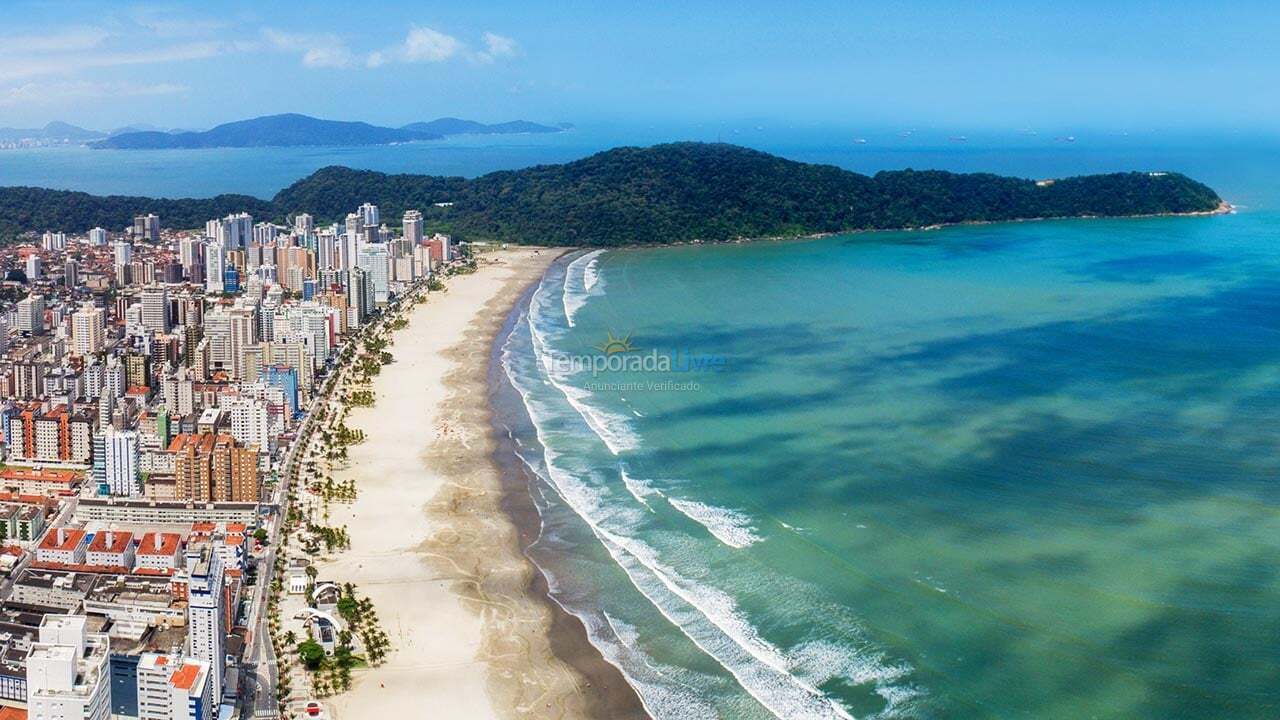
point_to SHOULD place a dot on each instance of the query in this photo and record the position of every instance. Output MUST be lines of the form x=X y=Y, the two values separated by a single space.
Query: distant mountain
x=136 y=128
x=295 y=130
x=698 y=191
x=456 y=126
x=287 y=130
x=53 y=132
x=665 y=193
x=144 y=127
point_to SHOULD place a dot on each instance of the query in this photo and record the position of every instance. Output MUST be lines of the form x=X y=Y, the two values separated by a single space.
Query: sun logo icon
x=614 y=345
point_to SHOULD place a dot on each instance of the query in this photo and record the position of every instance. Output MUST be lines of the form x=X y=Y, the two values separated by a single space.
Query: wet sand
x=438 y=530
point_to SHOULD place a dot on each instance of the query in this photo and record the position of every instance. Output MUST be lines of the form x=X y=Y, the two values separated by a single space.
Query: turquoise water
x=1008 y=471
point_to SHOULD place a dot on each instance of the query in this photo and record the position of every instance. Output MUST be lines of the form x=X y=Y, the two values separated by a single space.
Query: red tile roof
x=62 y=477
x=119 y=541
x=168 y=544
x=71 y=538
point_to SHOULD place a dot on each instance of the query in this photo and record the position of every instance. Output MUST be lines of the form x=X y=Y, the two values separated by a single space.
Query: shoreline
x=438 y=530
x=611 y=696
x=1223 y=208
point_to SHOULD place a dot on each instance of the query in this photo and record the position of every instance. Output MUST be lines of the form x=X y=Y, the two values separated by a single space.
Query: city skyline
x=1006 y=65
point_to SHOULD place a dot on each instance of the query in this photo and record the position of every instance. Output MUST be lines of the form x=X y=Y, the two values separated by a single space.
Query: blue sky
x=1004 y=65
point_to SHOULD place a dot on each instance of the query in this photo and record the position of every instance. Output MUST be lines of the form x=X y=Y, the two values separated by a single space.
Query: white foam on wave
x=662 y=695
x=580 y=276
x=614 y=430
x=821 y=661
x=712 y=622
x=709 y=617
x=591 y=273
x=730 y=527
x=639 y=488
x=721 y=630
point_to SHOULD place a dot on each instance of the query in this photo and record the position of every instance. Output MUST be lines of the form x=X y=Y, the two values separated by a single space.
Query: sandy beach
x=473 y=635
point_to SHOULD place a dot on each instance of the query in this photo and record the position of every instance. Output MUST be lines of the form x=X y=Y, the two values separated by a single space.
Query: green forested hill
x=665 y=193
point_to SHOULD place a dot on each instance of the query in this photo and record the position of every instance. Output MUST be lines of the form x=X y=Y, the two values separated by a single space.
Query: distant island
x=292 y=130
x=677 y=192
x=54 y=133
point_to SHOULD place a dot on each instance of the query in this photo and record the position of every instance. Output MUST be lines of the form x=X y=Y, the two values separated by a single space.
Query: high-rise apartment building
x=123 y=253
x=413 y=226
x=155 y=309
x=122 y=461
x=31 y=314
x=206 y=614
x=87 y=329
x=249 y=422
x=211 y=467
x=215 y=266
x=67 y=674
x=375 y=261
x=174 y=687
x=147 y=228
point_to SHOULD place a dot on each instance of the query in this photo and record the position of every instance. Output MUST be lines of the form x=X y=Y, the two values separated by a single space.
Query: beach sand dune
x=472 y=634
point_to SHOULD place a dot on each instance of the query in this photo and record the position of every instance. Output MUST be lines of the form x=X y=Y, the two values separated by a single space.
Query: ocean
x=1232 y=162
x=1003 y=471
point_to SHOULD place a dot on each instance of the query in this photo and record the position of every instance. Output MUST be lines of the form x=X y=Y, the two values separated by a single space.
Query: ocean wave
x=821 y=661
x=712 y=622
x=639 y=488
x=591 y=273
x=614 y=430
x=730 y=527
x=576 y=286
x=709 y=617
x=662 y=695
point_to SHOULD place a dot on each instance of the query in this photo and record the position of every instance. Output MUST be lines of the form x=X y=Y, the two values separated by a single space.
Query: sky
x=997 y=64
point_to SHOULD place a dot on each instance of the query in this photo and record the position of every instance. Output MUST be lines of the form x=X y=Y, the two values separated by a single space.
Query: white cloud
x=324 y=50
x=497 y=46
x=73 y=39
x=167 y=26
x=65 y=63
x=56 y=93
x=422 y=44
x=428 y=45
x=109 y=42
x=333 y=56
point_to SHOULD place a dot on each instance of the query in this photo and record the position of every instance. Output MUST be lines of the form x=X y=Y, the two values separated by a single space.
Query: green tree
x=311 y=653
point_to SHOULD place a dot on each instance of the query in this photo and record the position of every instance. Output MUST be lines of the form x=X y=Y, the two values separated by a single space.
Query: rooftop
x=159 y=543
x=113 y=541
x=62 y=539
x=63 y=477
